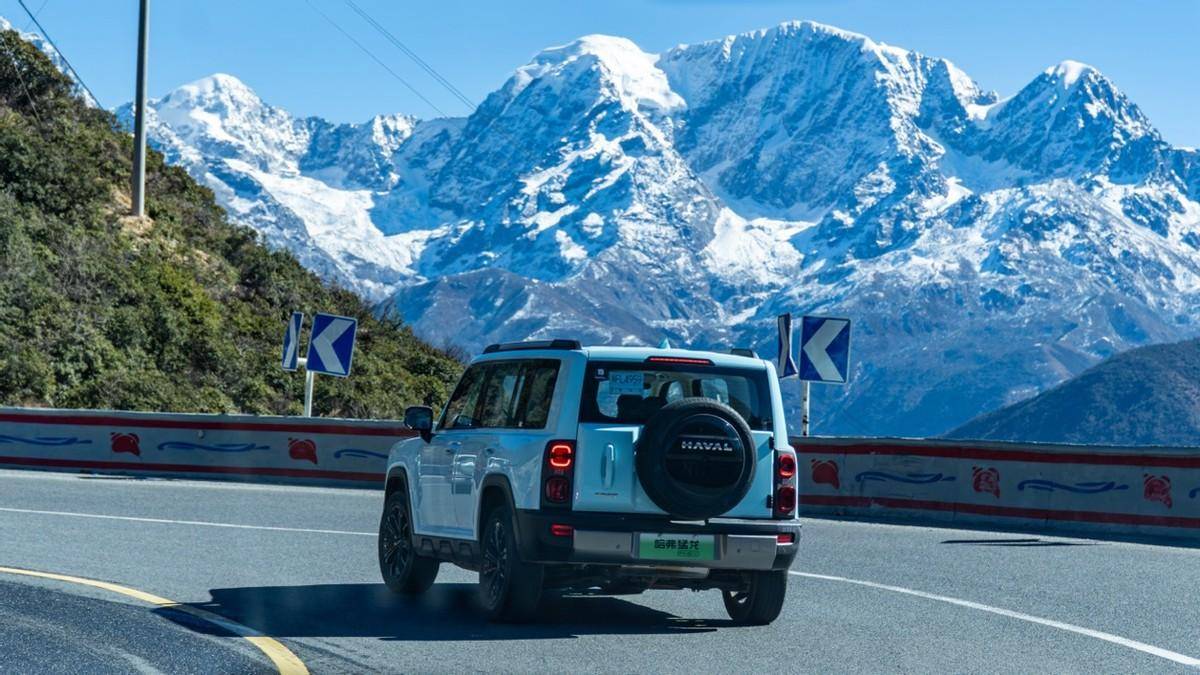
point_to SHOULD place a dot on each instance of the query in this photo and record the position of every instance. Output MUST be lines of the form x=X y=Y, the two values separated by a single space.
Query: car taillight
x=558 y=489
x=561 y=455
x=785 y=538
x=784 y=501
x=560 y=530
x=558 y=473
x=787 y=466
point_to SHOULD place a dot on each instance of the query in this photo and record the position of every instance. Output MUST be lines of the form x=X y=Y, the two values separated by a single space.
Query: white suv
x=599 y=470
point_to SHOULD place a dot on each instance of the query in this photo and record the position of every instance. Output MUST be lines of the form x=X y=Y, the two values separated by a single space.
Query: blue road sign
x=786 y=363
x=331 y=344
x=825 y=349
x=291 y=341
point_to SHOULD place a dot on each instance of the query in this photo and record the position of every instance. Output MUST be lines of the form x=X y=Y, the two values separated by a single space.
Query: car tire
x=761 y=602
x=403 y=569
x=510 y=589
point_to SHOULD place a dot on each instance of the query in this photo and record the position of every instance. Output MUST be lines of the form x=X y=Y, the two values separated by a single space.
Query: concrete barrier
x=1103 y=491
x=1129 y=492
x=318 y=451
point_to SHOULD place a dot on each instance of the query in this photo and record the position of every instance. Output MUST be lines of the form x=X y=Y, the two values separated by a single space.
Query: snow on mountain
x=51 y=53
x=986 y=248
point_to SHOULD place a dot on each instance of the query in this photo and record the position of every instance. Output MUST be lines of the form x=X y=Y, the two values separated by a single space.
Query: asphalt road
x=298 y=564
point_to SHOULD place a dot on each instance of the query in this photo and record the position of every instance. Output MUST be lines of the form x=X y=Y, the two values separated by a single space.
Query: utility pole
x=138 y=188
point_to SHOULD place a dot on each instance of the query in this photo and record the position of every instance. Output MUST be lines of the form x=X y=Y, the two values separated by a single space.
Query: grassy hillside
x=1146 y=396
x=178 y=311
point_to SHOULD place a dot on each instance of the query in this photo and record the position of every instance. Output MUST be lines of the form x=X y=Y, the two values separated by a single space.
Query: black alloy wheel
x=403 y=569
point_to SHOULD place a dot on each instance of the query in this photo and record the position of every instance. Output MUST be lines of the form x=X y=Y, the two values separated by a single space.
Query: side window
x=500 y=394
x=460 y=410
x=537 y=392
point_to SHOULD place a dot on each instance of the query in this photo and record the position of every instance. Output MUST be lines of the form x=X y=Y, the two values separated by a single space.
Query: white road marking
x=151 y=482
x=168 y=521
x=1080 y=630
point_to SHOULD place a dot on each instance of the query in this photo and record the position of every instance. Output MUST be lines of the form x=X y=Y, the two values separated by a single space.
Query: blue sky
x=293 y=58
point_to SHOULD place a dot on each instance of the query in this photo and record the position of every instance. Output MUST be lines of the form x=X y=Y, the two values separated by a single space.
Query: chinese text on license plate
x=676 y=547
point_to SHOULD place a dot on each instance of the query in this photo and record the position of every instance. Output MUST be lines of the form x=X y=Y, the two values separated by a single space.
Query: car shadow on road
x=448 y=611
x=1018 y=542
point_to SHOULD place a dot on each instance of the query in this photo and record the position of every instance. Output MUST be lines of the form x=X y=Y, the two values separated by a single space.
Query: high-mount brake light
x=679 y=360
x=561 y=455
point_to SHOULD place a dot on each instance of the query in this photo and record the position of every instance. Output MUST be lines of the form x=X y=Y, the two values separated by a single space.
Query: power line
x=21 y=79
x=369 y=53
x=39 y=11
x=412 y=55
x=61 y=55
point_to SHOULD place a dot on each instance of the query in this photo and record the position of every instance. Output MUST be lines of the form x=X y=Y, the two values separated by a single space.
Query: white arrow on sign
x=323 y=343
x=293 y=342
x=818 y=343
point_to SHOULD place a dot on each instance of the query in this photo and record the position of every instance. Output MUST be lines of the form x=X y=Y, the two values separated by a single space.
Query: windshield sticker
x=625 y=382
x=601 y=373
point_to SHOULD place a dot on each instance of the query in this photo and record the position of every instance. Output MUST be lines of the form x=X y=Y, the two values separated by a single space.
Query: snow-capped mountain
x=986 y=248
x=51 y=53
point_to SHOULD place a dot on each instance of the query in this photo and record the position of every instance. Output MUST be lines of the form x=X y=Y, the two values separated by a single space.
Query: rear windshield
x=629 y=393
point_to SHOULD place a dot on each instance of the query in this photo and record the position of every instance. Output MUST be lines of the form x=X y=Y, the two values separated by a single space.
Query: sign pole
x=308 y=387
x=804 y=408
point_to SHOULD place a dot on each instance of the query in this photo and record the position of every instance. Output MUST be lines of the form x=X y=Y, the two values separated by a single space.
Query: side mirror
x=419 y=418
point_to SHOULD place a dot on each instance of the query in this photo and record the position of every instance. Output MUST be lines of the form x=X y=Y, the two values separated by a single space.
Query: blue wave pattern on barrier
x=1088 y=488
x=358 y=453
x=52 y=441
x=219 y=447
x=910 y=478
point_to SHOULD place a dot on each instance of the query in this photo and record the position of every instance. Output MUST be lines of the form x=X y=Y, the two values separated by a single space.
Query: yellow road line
x=284 y=659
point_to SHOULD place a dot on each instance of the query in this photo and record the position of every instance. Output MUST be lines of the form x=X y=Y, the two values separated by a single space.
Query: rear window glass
x=629 y=393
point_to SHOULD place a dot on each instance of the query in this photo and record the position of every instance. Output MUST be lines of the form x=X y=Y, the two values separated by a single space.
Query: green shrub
x=183 y=312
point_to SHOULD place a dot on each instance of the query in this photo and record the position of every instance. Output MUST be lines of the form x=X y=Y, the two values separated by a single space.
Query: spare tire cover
x=696 y=458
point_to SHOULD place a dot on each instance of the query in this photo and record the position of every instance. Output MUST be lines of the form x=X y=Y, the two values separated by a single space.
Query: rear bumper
x=612 y=539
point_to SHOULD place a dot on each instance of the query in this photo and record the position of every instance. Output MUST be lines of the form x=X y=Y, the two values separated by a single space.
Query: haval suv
x=599 y=470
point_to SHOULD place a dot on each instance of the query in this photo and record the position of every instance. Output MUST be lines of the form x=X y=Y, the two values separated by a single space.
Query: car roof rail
x=743 y=351
x=559 y=343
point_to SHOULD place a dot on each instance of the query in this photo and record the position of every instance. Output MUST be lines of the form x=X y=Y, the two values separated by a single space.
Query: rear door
x=514 y=411
x=618 y=397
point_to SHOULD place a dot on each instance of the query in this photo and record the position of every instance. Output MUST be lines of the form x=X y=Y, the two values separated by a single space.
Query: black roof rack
x=743 y=351
x=532 y=344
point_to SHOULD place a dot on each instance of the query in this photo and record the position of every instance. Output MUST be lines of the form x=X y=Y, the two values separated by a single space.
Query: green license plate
x=677 y=547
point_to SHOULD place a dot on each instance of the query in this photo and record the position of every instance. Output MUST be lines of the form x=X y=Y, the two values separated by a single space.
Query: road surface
x=296 y=567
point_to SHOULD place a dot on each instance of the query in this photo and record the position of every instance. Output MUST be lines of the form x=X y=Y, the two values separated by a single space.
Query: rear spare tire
x=696 y=458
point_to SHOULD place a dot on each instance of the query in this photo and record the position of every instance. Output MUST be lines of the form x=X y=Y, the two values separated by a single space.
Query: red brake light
x=560 y=530
x=785 y=499
x=786 y=538
x=679 y=360
x=558 y=489
x=787 y=466
x=561 y=455
x=558 y=474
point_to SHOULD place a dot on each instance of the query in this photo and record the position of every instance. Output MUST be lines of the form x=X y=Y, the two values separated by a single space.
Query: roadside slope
x=1145 y=396
x=178 y=311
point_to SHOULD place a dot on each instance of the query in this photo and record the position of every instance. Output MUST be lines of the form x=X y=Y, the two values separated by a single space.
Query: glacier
x=986 y=248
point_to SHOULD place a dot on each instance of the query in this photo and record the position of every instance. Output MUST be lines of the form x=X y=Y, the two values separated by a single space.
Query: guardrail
x=239 y=447
x=1078 y=489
